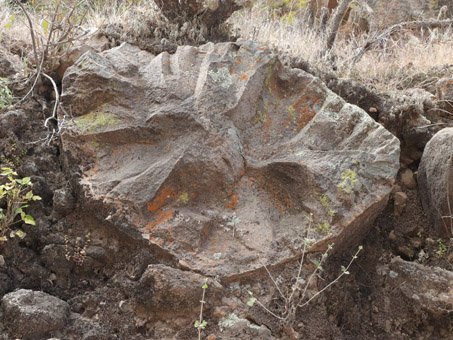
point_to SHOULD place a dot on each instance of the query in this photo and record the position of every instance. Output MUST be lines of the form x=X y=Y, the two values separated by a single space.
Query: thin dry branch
x=391 y=31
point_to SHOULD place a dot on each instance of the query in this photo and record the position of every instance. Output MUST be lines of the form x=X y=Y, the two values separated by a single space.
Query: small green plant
x=201 y=324
x=184 y=198
x=6 y=96
x=296 y=296
x=260 y=117
x=14 y=196
x=77 y=252
x=442 y=251
x=324 y=227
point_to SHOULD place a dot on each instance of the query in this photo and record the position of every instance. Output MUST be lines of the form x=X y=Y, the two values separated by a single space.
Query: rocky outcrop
x=435 y=180
x=32 y=314
x=221 y=156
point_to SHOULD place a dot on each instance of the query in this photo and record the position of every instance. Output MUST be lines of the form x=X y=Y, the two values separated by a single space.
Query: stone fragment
x=32 y=314
x=63 y=201
x=400 y=202
x=407 y=178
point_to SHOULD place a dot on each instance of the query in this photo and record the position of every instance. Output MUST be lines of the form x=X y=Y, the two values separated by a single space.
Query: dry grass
x=406 y=62
x=409 y=61
x=134 y=16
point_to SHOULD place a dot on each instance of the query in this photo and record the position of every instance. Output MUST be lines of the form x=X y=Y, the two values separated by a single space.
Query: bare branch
x=388 y=33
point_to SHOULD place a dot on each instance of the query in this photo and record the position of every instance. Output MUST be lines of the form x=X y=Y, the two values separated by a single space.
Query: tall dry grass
x=410 y=60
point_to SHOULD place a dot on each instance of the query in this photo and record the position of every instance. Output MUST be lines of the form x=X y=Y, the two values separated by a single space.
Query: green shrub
x=14 y=196
x=6 y=95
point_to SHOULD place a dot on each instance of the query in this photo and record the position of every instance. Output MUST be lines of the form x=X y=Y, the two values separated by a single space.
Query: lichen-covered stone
x=219 y=155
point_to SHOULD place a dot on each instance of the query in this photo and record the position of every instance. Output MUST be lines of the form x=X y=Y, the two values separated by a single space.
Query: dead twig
x=383 y=37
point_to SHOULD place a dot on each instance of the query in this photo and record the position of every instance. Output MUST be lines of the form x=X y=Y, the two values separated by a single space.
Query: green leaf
x=18 y=210
x=29 y=220
x=251 y=301
x=204 y=286
x=28 y=195
x=45 y=25
x=36 y=198
x=8 y=25
x=8 y=171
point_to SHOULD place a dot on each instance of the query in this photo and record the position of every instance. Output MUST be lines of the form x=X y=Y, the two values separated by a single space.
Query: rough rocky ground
x=125 y=287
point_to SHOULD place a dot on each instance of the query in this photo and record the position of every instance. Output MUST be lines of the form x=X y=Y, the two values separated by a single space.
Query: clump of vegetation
x=6 y=96
x=77 y=252
x=15 y=195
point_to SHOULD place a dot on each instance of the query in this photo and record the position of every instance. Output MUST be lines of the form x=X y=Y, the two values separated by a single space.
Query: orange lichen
x=160 y=217
x=232 y=201
x=167 y=193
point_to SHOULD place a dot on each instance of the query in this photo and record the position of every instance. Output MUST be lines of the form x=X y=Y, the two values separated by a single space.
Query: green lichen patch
x=95 y=122
x=221 y=77
x=348 y=181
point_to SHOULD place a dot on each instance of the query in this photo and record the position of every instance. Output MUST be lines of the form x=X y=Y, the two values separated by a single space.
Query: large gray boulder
x=221 y=156
x=32 y=314
x=435 y=180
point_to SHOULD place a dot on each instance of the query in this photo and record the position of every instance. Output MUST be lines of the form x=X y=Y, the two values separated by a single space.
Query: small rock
x=393 y=275
x=63 y=201
x=392 y=236
x=407 y=177
x=2 y=261
x=32 y=314
x=400 y=201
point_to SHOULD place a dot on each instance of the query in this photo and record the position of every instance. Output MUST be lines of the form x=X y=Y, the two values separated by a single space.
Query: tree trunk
x=334 y=25
x=214 y=14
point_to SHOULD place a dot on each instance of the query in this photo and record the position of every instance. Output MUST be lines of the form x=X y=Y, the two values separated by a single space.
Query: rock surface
x=33 y=314
x=435 y=180
x=429 y=287
x=219 y=154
